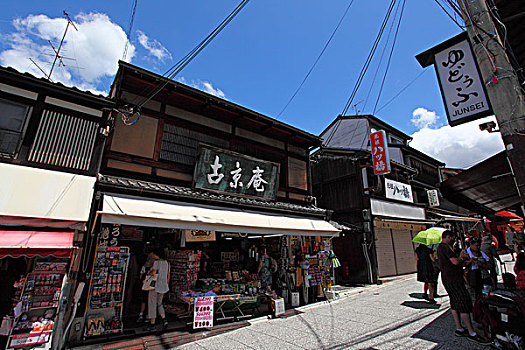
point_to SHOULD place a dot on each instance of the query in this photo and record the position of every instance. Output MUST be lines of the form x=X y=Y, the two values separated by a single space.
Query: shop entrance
x=244 y=273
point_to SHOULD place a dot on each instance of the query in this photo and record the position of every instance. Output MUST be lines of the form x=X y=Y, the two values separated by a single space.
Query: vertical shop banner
x=109 y=235
x=229 y=172
x=433 y=198
x=462 y=86
x=398 y=190
x=203 y=312
x=380 y=158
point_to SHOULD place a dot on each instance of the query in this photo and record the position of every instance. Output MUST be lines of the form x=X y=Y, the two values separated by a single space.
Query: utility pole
x=502 y=85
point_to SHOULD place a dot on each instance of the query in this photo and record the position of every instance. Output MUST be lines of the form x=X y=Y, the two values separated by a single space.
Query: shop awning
x=485 y=188
x=35 y=243
x=128 y=210
x=32 y=196
x=447 y=217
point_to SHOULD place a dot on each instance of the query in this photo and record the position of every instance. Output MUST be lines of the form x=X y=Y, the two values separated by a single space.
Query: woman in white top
x=162 y=268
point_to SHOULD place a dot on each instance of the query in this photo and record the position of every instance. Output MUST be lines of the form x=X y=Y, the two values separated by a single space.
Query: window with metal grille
x=64 y=140
x=181 y=145
x=13 y=120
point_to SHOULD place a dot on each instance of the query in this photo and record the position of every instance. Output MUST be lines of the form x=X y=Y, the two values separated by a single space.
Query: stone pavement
x=388 y=316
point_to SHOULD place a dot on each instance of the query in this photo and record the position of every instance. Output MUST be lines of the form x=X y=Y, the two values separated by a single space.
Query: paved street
x=388 y=316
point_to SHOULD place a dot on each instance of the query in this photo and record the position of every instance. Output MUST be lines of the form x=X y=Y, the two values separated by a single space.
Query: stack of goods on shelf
x=185 y=266
x=104 y=315
x=39 y=301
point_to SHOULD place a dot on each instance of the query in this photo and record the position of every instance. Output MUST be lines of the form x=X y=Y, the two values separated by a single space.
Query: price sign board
x=203 y=312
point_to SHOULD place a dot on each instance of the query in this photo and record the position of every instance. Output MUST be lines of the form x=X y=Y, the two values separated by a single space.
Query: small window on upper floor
x=13 y=121
x=396 y=141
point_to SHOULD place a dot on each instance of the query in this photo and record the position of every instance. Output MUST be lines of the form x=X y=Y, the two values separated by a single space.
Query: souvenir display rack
x=39 y=305
x=185 y=266
x=106 y=295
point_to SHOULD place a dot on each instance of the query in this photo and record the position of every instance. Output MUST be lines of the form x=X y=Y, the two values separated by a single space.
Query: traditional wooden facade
x=344 y=182
x=181 y=163
x=51 y=143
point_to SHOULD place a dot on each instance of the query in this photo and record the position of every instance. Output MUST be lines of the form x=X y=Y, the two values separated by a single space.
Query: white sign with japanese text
x=398 y=190
x=461 y=84
x=203 y=312
x=433 y=198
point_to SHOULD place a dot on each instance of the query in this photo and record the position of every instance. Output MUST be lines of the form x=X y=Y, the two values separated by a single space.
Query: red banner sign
x=380 y=158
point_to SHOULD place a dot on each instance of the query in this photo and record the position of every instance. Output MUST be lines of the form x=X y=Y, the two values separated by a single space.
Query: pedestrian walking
x=426 y=272
x=161 y=268
x=451 y=266
x=144 y=295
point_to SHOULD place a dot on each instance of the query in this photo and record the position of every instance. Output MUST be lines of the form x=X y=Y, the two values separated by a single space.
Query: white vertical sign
x=433 y=198
x=203 y=312
x=461 y=84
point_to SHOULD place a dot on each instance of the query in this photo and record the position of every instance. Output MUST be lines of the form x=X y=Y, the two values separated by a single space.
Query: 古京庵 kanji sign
x=380 y=159
x=460 y=82
x=226 y=171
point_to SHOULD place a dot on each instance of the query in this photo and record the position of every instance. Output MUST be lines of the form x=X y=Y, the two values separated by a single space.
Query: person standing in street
x=451 y=266
x=426 y=272
x=162 y=269
x=488 y=247
x=477 y=273
x=510 y=238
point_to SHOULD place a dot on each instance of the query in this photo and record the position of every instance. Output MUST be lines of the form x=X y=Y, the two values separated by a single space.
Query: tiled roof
x=178 y=192
x=27 y=75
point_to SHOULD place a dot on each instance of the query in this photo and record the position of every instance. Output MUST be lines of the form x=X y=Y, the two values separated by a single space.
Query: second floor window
x=13 y=120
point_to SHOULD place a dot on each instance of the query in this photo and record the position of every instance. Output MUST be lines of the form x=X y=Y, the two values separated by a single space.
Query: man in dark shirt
x=451 y=266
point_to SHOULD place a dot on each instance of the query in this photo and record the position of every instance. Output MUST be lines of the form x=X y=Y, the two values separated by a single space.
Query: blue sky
x=260 y=59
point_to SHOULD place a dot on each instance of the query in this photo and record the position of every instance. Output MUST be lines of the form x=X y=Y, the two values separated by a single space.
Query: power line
x=402 y=90
x=130 y=26
x=389 y=57
x=372 y=84
x=179 y=66
x=369 y=58
x=318 y=58
x=448 y=14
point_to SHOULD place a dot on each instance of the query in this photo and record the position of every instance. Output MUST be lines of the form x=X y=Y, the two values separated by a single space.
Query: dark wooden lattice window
x=180 y=145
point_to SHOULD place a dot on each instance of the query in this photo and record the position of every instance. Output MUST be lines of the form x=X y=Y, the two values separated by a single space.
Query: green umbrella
x=429 y=236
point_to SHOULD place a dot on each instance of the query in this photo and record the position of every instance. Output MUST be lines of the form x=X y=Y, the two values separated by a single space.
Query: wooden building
x=186 y=170
x=385 y=222
x=51 y=143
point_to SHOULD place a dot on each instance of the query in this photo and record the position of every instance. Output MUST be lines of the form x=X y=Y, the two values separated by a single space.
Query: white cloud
x=90 y=54
x=154 y=47
x=203 y=85
x=459 y=147
x=423 y=118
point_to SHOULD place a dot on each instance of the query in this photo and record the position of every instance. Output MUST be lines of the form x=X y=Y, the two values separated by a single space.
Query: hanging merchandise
x=104 y=314
x=39 y=303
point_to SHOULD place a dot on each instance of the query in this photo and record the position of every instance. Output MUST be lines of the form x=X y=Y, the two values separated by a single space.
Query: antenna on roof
x=354 y=107
x=57 y=51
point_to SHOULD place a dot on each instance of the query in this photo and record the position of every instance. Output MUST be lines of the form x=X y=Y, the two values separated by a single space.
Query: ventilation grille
x=181 y=145
x=64 y=140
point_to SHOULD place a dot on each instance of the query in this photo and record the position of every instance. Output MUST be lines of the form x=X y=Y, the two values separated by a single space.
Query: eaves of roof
x=316 y=140
x=29 y=79
x=111 y=183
